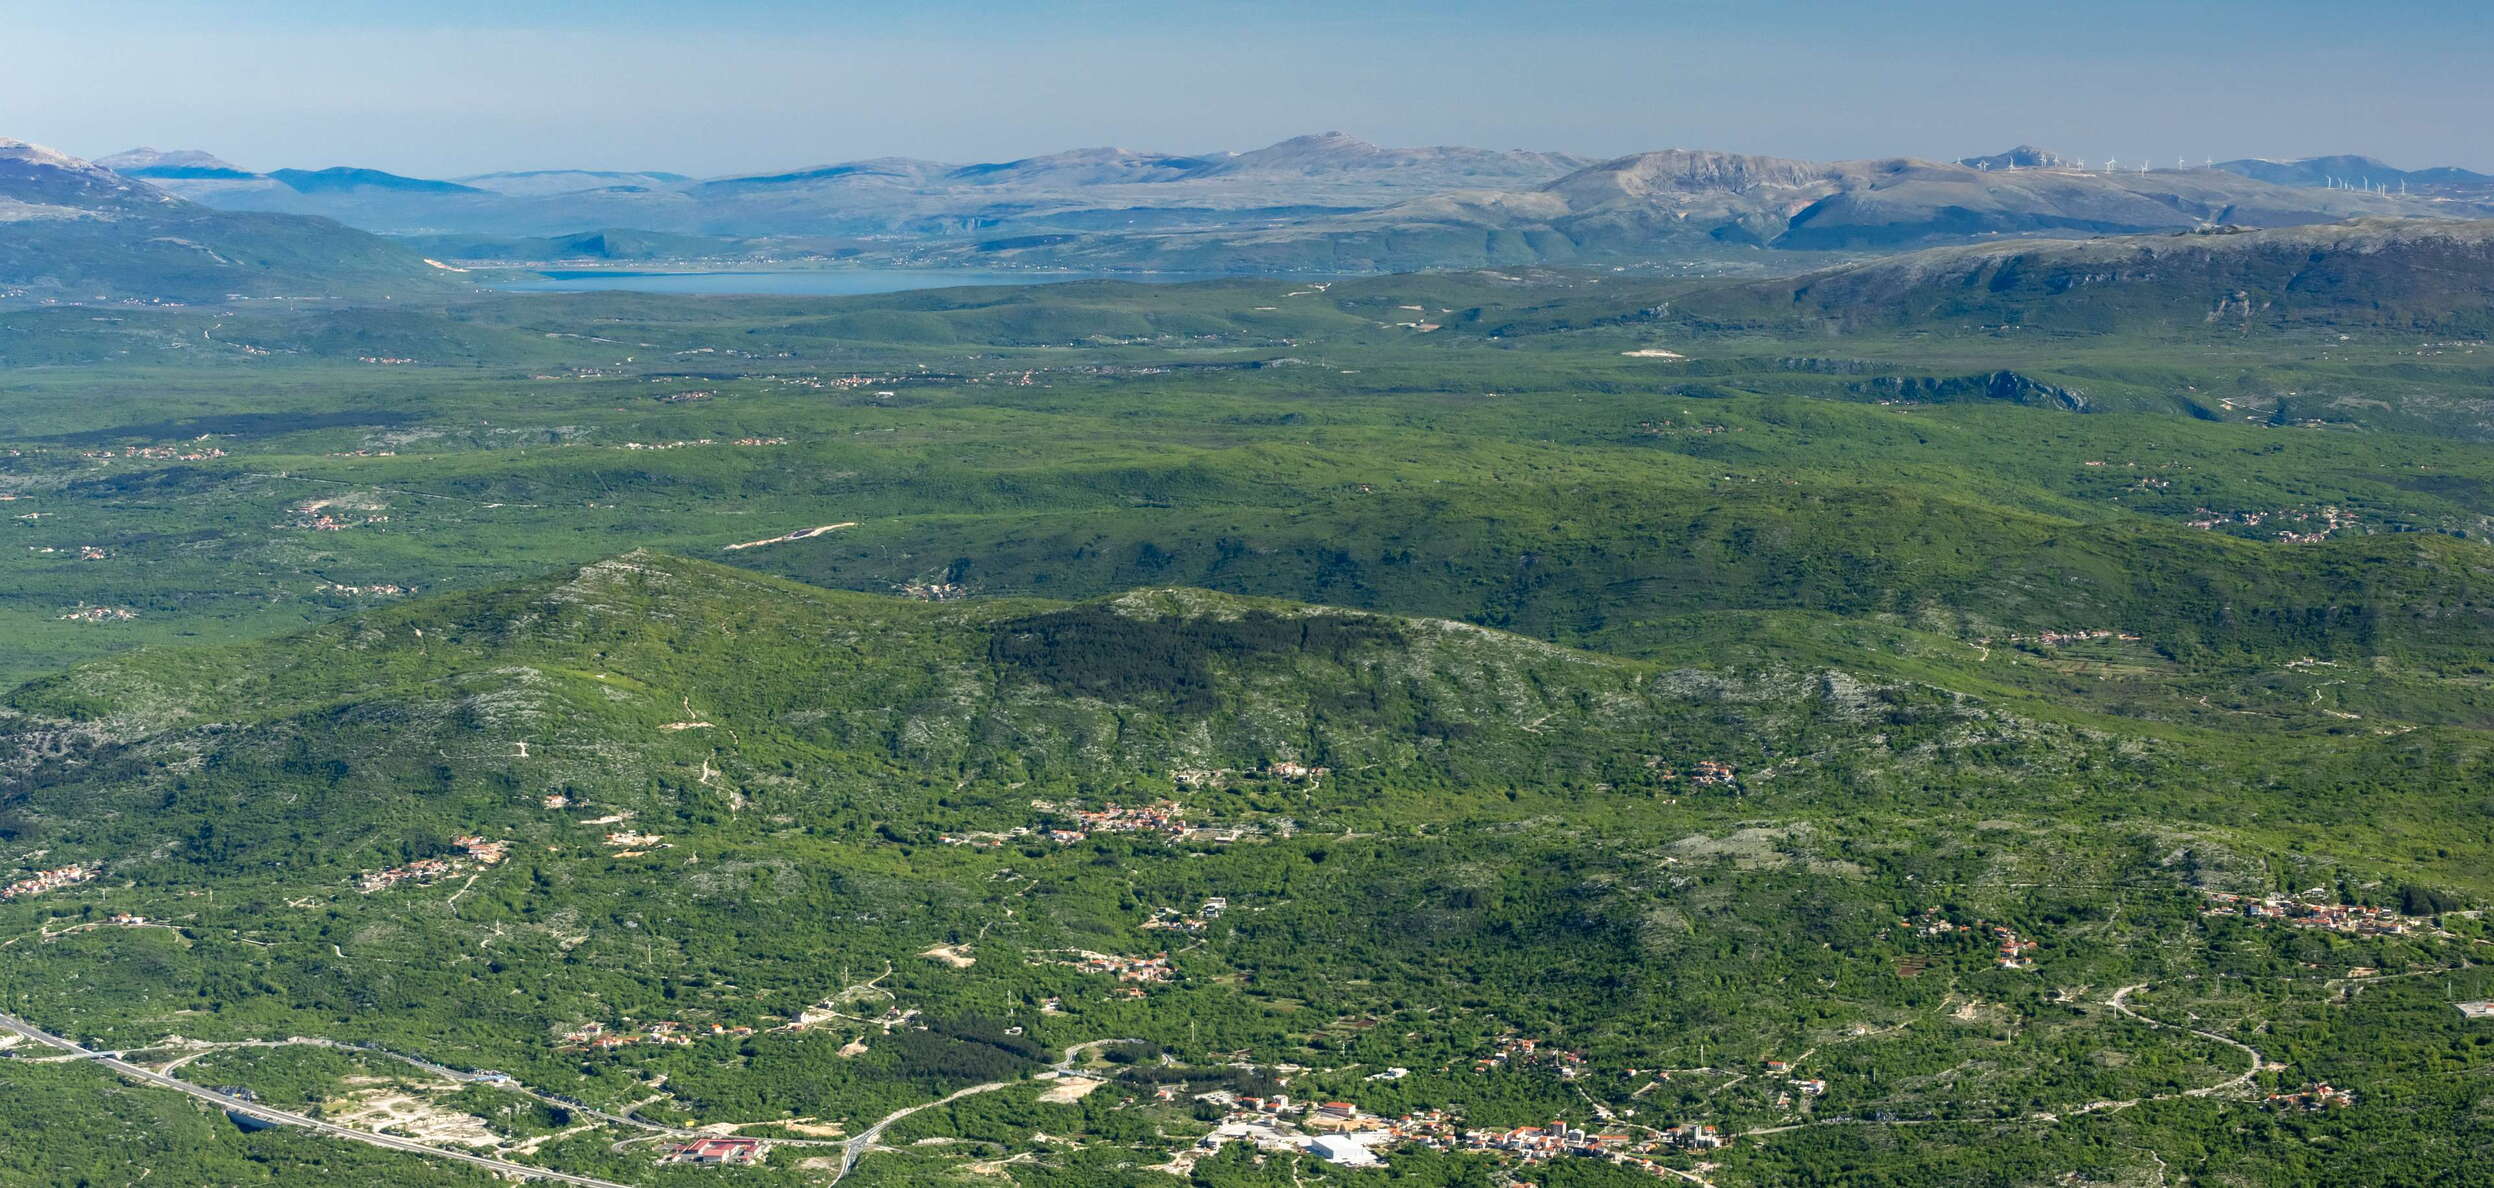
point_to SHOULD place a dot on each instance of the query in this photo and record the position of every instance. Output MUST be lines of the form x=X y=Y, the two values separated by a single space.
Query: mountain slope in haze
x=184 y=164
x=2025 y=156
x=75 y=231
x=2419 y=274
x=568 y=181
x=605 y=243
x=1081 y=167
x=1338 y=154
x=336 y=178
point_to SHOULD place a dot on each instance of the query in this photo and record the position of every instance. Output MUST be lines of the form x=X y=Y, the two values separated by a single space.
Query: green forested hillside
x=762 y=776
x=786 y=715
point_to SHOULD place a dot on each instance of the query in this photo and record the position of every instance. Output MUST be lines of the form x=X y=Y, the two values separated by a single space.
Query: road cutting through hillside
x=250 y=1109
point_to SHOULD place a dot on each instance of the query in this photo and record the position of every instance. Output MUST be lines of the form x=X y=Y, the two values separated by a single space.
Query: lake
x=822 y=282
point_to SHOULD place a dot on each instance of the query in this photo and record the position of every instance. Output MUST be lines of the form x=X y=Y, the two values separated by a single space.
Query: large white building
x=1342 y=1149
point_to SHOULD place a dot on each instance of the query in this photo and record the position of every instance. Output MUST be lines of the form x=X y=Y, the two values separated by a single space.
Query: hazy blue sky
x=716 y=86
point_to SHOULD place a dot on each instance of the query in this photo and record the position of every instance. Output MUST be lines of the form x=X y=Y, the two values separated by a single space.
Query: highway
x=284 y=1118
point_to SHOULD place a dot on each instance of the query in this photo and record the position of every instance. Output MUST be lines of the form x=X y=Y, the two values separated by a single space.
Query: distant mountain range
x=1328 y=202
x=72 y=230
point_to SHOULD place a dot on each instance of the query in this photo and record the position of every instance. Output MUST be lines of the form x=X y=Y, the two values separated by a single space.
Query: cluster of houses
x=2015 y=951
x=1173 y=920
x=485 y=852
x=1166 y=817
x=158 y=453
x=702 y=441
x=595 y=1036
x=1560 y=1140
x=1705 y=773
x=1287 y=770
x=2332 y=519
x=843 y=383
x=476 y=850
x=100 y=614
x=1709 y=773
x=2057 y=638
x=1806 y=1086
x=1544 y=1142
x=720 y=1150
x=1519 y=1052
x=376 y=590
x=315 y=520
x=2316 y=1096
x=50 y=880
x=85 y=552
x=1160 y=816
x=2361 y=919
x=1341 y=1133
x=1660 y=428
x=1928 y=922
x=1155 y=968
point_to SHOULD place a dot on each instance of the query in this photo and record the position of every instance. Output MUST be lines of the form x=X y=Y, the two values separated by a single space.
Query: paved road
x=855 y=1149
x=284 y=1118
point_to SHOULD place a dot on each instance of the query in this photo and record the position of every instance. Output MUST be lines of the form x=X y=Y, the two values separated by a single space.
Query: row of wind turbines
x=2114 y=165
